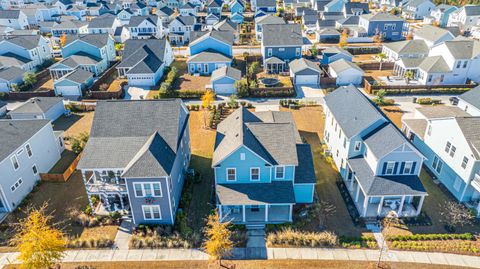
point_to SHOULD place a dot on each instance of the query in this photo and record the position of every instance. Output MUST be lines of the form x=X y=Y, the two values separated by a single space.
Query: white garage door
x=306 y=79
x=69 y=90
x=347 y=80
x=224 y=88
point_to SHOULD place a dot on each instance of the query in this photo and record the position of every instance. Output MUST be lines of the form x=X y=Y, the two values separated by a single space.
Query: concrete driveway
x=310 y=92
x=135 y=93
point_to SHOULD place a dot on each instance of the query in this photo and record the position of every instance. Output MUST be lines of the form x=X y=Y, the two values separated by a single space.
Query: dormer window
x=390 y=168
x=358 y=146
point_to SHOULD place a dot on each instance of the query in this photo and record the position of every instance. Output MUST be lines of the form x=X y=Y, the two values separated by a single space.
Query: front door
x=205 y=68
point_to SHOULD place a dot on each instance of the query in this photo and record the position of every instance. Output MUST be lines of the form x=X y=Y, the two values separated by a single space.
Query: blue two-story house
x=215 y=7
x=136 y=158
x=390 y=27
x=262 y=167
x=237 y=6
x=281 y=44
x=93 y=53
x=210 y=51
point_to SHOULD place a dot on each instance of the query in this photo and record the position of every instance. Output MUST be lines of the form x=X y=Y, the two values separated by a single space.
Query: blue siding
x=237 y=18
x=447 y=175
x=304 y=193
x=76 y=47
x=237 y=8
x=283 y=53
x=194 y=68
x=224 y=80
x=332 y=57
x=389 y=34
x=213 y=44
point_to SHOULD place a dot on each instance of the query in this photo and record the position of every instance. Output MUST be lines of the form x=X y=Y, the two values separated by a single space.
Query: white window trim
x=251 y=168
x=151 y=211
x=405 y=166
x=231 y=168
x=16 y=159
x=393 y=168
x=26 y=150
x=36 y=167
x=276 y=167
x=143 y=189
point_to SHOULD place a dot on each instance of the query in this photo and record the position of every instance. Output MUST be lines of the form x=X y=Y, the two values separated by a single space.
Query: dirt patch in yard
x=75 y=124
x=394 y=113
x=187 y=82
x=310 y=123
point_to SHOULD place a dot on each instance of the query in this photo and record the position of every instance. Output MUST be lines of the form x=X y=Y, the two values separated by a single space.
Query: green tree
x=232 y=101
x=380 y=97
x=40 y=245
x=314 y=51
x=381 y=58
x=78 y=143
x=252 y=69
x=408 y=76
x=218 y=243
x=242 y=87
x=30 y=78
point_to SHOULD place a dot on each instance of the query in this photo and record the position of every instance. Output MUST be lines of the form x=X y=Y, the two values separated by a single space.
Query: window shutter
x=395 y=168
x=413 y=168
x=384 y=168
x=402 y=167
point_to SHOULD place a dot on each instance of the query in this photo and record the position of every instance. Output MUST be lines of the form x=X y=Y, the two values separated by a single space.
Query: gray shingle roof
x=302 y=64
x=305 y=171
x=11 y=73
x=470 y=127
x=277 y=192
x=266 y=3
x=417 y=126
x=434 y=64
x=472 y=10
x=24 y=41
x=384 y=140
x=228 y=71
x=11 y=59
x=381 y=17
x=385 y=185
x=14 y=133
x=472 y=97
x=208 y=56
x=142 y=136
x=9 y=14
x=463 y=49
x=254 y=131
x=342 y=65
x=222 y=36
x=103 y=21
x=78 y=76
x=37 y=105
x=269 y=19
x=137 y=20
x=435 y=112
x=186 y=20
x=78 y=59
x=432 y=33
x=355 y=117
x=291 y=35
x=97 y=40
x=143 y=56
x=408 y=47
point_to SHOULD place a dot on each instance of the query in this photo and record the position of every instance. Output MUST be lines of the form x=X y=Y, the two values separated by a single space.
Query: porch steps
x=255 y=227
x=256 y=247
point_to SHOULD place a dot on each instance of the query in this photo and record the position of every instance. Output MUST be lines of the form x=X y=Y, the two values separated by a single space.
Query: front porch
x=274 y=65
x=372 y=206
x=256 y=214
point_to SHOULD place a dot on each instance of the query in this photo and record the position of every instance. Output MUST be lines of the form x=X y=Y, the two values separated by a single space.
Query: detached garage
x=223 y=80
x=346 y=72
x=303 y=71
x=72 y=85
x=50 y=108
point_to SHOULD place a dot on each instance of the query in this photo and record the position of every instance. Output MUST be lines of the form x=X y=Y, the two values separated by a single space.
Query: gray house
x=27 y=148
x=136 y=158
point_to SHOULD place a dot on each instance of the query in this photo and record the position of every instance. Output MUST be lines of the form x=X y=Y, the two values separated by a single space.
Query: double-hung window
x=408 y=168
x=390 y=168
x=29 y=150
x=231 y=174
x=14 y=161
x=255 y=174
x=464 y=162
x=279 y=172
x=447 y=147
x=148 y=189
x=437 y=164
x=452 y=151
x=151 y=212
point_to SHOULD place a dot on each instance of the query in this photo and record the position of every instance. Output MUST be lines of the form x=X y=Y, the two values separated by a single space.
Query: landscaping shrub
x=161 y=237
x=290 y=237
x=358 y=242
x=430 y=237
x=426 y=91
x=93 y=242
x=428 y=101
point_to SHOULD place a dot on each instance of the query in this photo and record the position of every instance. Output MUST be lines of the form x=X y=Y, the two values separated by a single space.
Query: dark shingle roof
x=291 y=35
x=11 y=73
x=103 y=21
x=9 y=14
x=276 y=192
x=385 y=185
x=305 y=171
x=143 y=56
x=302 y=64
x=24 y=41
x=14 y=133
x=137 y=20
x=78 y=76
x=141 y=136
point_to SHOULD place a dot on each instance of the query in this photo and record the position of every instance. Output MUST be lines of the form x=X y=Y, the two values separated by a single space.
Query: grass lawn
x=253 y=264
x=310 y=123
x=201 y=143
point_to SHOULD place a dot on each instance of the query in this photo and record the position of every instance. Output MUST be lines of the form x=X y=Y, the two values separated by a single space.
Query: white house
x=25 y=51
x=470 y=102
x=433 y=35
x=417 y=9
x=15 y=19
x=104 y=24
x=448 y=137
x=346 y=72
x=465 y=17
x=28 y=148
x=144 y=27
x=50 y=108
x=379 y=166
x=180 y=28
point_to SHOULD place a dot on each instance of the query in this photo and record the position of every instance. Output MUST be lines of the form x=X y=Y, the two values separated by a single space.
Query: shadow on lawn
x=63 y=123
x=202 y=194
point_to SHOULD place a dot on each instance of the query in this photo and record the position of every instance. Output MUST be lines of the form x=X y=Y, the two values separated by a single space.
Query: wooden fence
x=417 y=89
x=105 y=77
x=65 y=175
x=273 y=92
x=29 y=94
x=376 y=66
x=106 y=95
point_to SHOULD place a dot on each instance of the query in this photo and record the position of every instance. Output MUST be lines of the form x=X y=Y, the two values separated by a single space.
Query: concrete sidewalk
x=272 y=254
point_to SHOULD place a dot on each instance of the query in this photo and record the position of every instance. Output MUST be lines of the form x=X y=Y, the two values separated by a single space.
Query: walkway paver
x=272 y=254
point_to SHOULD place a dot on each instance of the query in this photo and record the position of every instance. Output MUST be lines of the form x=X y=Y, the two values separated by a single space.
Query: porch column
x=290 y=216
x=121 y=201
x=266 y=212
x=401 y=206
x=220 y=212
x=243 y=213
x=351 y=182
x=420 y=204
x=107 y=203
x=365 y=206
x=379 y=210
x=358 y=193
x=88 y=193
